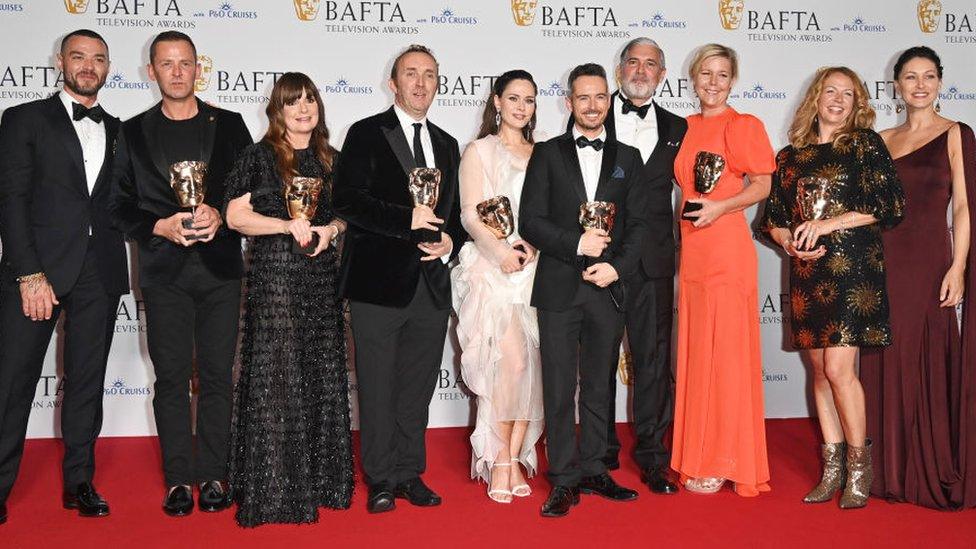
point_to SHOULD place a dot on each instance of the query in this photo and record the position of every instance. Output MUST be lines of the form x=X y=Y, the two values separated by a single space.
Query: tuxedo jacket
x=549 y=215
x=380 y=260
x=45 y=206
x=142 y=195
x=657 y=251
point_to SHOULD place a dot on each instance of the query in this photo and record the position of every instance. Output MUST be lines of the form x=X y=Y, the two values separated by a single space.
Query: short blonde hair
x=714 y=50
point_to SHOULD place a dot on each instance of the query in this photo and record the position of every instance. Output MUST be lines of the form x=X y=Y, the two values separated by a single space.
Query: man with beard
x=394 y=273
x=60 y=253
x=190 y=269
x=577 y=288
x=635 y=119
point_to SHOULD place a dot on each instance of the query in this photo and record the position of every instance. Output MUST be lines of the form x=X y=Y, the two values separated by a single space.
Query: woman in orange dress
x=719 y=431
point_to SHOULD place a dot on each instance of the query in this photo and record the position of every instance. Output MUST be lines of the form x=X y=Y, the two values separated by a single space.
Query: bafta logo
x=731 y=13
x=523 y=11
x=307 y=10
x=76 y=6
x=928 y=15
x=206 y=71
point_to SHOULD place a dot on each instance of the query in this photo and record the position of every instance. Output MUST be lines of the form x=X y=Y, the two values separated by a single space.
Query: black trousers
x=196 y=312
x=578 y=343
x=398 y=354
x=649 y=316
x=88 y=329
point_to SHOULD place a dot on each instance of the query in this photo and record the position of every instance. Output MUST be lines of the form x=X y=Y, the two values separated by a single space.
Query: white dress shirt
x=590 y=161
x=407 y=122
x=634 y=131
x=91 y=134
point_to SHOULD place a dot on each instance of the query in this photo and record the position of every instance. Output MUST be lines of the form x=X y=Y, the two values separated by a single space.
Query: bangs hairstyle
x=805 y=129
x=287 y=90
x=488 y=125
x=714 y=50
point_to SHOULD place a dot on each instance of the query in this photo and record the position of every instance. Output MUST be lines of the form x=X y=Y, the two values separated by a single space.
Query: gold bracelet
x=33 y=277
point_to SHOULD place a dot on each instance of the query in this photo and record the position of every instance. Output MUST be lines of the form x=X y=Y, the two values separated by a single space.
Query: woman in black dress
x=291 y=450
x=834 y=189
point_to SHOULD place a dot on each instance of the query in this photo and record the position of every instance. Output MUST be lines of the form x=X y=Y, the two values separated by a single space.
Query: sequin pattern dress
x=840 y=299
x=291 y=441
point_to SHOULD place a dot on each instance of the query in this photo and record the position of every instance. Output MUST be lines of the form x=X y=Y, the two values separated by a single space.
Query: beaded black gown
x=291 y=441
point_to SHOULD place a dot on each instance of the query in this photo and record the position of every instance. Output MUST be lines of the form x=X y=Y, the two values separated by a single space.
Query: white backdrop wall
x=347 y=47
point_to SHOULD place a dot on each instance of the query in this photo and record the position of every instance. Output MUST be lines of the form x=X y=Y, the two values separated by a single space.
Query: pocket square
x=674 y=143
x=618 y=173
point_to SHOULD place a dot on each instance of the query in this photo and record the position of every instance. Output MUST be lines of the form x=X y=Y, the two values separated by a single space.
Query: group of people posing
x=589 y=253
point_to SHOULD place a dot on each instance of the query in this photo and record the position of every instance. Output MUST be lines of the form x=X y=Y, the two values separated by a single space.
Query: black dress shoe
x=178 y=502
x=380 y=499
x=612 y=463
x=658 y=480
x=605 y=486
x=417 y=493
x=86 y=500
x=560 y=500
x=3 y=513
x=213 y=497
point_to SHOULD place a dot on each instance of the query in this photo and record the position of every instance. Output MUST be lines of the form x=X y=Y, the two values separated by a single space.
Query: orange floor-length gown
x=719 y=428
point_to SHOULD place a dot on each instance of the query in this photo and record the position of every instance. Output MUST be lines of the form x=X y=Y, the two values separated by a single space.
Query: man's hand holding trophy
x=425 y=187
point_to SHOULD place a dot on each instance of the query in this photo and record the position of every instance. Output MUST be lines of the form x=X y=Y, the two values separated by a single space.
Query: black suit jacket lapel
x=398 y=142
x=609 y=161
x=65 y=130
x=610 y=124
x=150 y=124
x=571 y=160
x=111 y=133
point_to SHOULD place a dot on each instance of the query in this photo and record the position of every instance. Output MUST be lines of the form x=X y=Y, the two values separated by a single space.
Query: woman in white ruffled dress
x=492 y=286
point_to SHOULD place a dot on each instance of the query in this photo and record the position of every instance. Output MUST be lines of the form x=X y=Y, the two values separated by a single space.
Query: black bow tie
x=641 y=111
x=583 y=142
x=79 y=111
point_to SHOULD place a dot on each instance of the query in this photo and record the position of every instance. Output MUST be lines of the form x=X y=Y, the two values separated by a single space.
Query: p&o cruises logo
x=861 y=25
x=342 y=86
x=161 y=14
x=573 y=21
x=118 y=81
x=120 y=388
x=953 y=93
x=447 y=16
x=555 y=89
x=956 y=26
x=356 y=17
x=225 y=10
x=759 y=92
x=659 y=21
x=785 y=25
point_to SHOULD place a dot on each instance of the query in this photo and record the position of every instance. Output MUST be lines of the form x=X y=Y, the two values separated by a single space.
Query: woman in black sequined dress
x=290 y=449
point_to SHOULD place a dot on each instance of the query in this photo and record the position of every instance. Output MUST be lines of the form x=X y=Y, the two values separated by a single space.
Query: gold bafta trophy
x=523 y=11
x=302 y=198
x=813 y=198
x=597 y=215
x=425 y=188
x=307 y=10
x=928 y=15
x=76 y=6
x=496 y=214
x=708 y=170
x=188 y=181
x=202 y=83
x=731 y=13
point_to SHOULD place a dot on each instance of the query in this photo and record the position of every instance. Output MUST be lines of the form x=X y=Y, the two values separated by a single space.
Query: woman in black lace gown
x=291 y=450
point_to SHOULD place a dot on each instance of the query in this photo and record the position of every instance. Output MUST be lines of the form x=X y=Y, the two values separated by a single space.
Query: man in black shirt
x=190 y=277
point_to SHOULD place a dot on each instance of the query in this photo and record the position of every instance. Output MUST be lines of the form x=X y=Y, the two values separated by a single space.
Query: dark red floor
x=129 y=477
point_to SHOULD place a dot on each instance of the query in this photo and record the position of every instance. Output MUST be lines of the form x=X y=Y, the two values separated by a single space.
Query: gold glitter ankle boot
x=833 y=473
x=859 y=477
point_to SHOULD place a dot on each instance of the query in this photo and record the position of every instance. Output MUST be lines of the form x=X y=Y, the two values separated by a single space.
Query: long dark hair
x=488 y=124
x=287 y=90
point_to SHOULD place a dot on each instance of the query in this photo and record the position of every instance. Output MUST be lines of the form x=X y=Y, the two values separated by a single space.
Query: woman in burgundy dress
x=921 y=391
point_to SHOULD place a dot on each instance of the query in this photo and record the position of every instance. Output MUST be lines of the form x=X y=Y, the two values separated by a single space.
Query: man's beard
x=638 y=90
x=585 y=124
x=72 y=84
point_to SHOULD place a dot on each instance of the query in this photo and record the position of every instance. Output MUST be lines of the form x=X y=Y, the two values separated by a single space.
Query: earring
x=899 y=106
x=938 y=107
x=531 y=124
x=498 y=119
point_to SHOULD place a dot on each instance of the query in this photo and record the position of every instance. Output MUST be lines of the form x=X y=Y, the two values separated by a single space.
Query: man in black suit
x=635 y=119
x=59 y=253
x=190 y=277
x=394 y=273
x=578 y=288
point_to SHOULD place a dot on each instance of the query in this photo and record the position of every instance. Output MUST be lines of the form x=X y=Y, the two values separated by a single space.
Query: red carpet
x=129 y=477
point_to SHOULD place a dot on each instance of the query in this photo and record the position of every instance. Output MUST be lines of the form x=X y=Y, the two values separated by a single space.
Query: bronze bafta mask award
x=187 y=179
x=597 y=215
x=523 y=11
x=708 y=169
x=302 y=199
x=496 y=214
x=730 y=11
x=425 y=188
x=928 y=15
x=813 y=197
